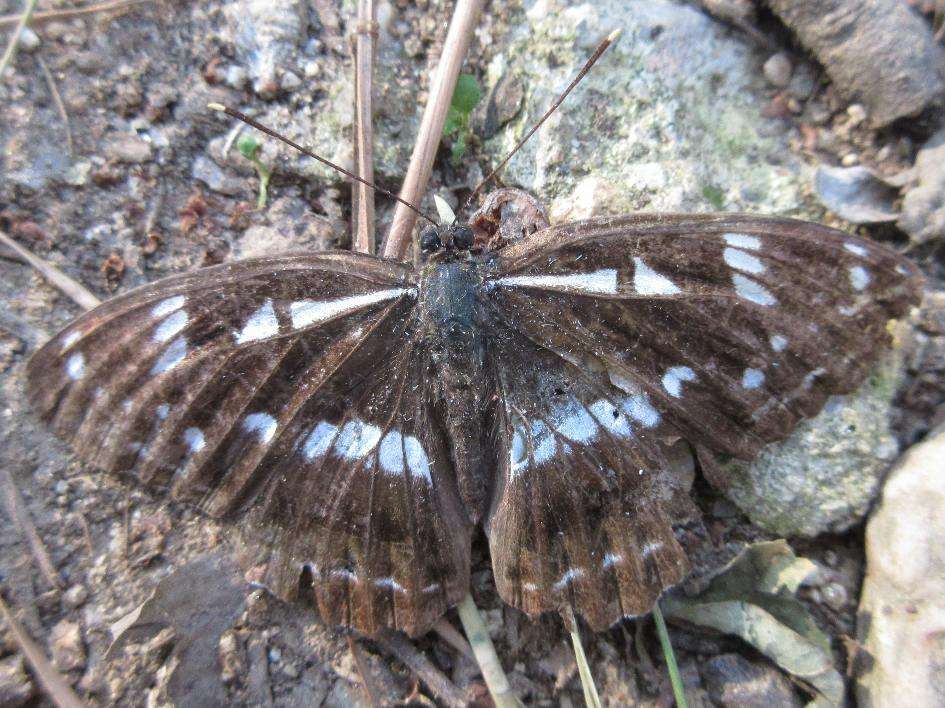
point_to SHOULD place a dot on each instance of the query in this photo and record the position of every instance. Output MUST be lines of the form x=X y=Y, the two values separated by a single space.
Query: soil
x=126 y=209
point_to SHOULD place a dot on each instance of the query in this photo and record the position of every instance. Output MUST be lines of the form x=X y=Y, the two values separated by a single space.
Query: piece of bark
x=877 y=52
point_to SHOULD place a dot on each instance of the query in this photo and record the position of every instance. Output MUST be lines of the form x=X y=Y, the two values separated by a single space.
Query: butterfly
x=359 y=419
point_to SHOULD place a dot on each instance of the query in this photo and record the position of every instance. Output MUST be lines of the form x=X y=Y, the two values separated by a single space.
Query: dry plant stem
x=362 y=196
x=486 y=657
x=51 y=680
x=65 y=13
x=449 y=634
x=21 y=518
x=361 y=664
x=591 y=697
x=57 y=99
x=442 y=688
x=458 y=38
x=76 y=292
x=22 y=23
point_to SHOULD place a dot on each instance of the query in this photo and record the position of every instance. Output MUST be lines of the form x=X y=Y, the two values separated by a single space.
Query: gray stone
x=29 y=40
x=16 y=687
x=824 y=477
x=923 y=206
x=267 y=34
x=901 y=619
x=128 y=148
x=218 y=179
x=735 y=682
x=68 y=650
x=856 y=194
x=667 y=120
x=778 y=69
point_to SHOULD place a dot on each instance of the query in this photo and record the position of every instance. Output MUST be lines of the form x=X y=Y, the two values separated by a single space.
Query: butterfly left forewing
x=733 y=327
x=254 y=390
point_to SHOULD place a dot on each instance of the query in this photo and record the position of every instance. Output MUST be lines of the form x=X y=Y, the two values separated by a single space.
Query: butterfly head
x=454 y=240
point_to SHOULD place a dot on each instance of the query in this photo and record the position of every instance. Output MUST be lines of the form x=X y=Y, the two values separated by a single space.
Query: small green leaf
x=455 y=122
x=467 y=94
x=247 y=145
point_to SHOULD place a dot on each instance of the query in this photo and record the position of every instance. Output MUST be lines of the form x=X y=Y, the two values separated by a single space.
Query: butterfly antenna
x=270 y=132
x=601 y=48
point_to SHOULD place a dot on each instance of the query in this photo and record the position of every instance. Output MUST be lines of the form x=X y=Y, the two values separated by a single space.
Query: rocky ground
x=114 y=171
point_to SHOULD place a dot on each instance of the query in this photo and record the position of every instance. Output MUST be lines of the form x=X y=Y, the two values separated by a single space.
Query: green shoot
x=249 y=148
x=591 y=699
x=465 y=97
x=483 y=648
x=674 y=678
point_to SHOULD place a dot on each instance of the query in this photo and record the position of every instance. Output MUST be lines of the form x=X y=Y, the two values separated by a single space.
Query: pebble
x=68 y=651
x=128 y=149
x=290 y=81
x=75 y=596
x=778 y=69
x=236 y=77
x=29 y=40
x=856 y=113
x=16 y=688
x=850 y=159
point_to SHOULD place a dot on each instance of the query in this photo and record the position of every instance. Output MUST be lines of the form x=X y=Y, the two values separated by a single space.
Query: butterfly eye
x=463 y=237
x=430 y=240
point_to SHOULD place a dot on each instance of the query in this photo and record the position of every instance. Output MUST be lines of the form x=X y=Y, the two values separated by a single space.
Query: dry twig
x=449 y=634
x=362 y=196
x=396 y=644
x=74 y=290
x=22 y=22
x=67 y=12
x=57 y=99
x=21 y=518
x=49 y=678
x=457 y=43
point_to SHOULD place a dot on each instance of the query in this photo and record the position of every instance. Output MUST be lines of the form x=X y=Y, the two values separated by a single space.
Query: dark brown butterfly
x=359 y=418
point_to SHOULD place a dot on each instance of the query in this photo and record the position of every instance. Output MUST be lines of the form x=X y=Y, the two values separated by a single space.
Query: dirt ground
x=126 y=209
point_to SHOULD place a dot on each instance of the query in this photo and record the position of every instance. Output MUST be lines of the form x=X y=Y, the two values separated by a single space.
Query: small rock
x=68 y=651
x=856 y=194
x=734 y=681
x=29 y=40
x=856 y=113
x=236 y=77
x=901 y=619
x=128 y=149
x=923 y=206
x=290 y=81
x=218 y=179
x=75 y=596
x=850 y=159
x=778 y=69
x=16 y=687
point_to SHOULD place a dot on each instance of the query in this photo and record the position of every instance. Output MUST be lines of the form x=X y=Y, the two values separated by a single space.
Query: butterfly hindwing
x=253 y=390
x=734 y=327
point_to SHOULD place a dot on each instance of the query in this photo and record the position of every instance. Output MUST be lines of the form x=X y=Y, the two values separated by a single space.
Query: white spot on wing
x=70 y=339
x=262 y=424
x=308 y=312
x=172 y=356
x=171 y=326
x=752 y=290
x=518 y=457
x=75 y=366
x=194 y=439
x=578 y=425
x=602 y=281
x=166 y=307
x=570 y=575
x=647 y=281
x=543 y=441
x=636 y=405
x=859 y=277
x=855 y=248
x=809 y=379
x=391 y=453
x=356 y=439
x=319 y=440
x=752 y=378
x=390 y=584
x=612 y=559
x=778 y=342
x=417 y=461
x=742 y=241
x=674 y=378
x=611 y=418
x=649 y=548
x=162 y=410
x=261 y=324
x=740 y=260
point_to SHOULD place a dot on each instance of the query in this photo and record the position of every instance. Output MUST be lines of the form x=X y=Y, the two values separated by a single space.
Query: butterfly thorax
x=450 y=318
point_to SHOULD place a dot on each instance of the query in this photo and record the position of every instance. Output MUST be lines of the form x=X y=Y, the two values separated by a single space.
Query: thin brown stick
x=601 y=48
x=57 y=99
x=233 y=113
x=16 y=508
x=362 y=196
x=396 y=644
x=458 y=38
x=67 y=12
x=49 y=678
x=76 y=292
x=360 y=663
x=86 y=534
x=22 y=22
x=449 y=634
